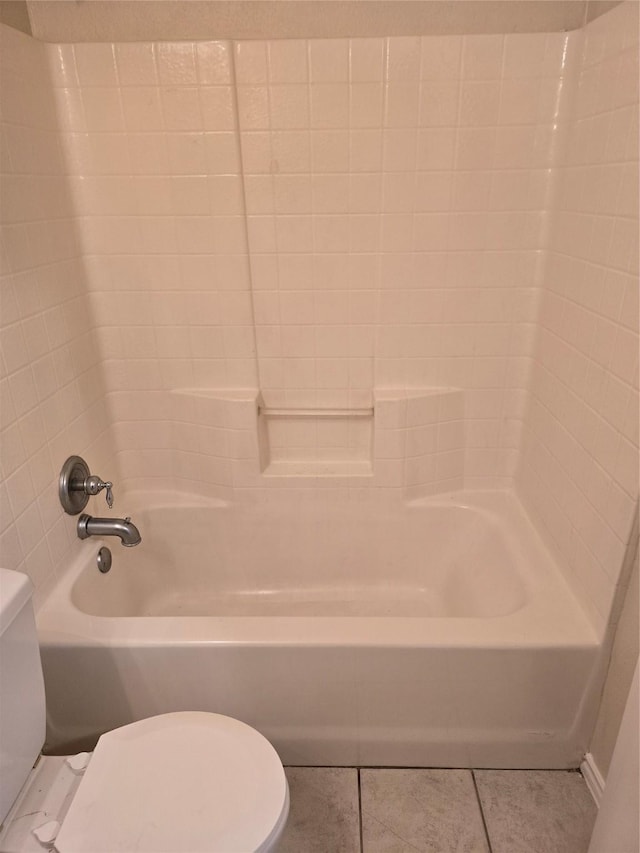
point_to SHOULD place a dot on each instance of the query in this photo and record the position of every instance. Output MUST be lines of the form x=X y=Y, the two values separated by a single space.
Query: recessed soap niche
x=315 y=442
x=223 y=439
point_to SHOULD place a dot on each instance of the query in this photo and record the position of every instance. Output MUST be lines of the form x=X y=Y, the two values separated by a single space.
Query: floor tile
x=435 y=811
x=536 y=811
x=324 y=813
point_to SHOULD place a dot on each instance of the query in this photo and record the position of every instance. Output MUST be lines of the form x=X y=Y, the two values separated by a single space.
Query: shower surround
x=361 y=268
x=327 y=221
x=316 y=220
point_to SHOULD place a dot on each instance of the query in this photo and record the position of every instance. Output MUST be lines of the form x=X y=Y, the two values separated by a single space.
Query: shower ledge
x=319 y=468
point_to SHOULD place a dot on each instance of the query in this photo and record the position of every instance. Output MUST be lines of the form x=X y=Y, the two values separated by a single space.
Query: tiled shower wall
x=323 y=220
x=579 y=472
x=153 y=148
x=51 y=389
x=395 y=193
x=151 y=136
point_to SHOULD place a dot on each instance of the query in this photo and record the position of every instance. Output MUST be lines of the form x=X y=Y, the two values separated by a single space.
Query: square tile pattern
x=346 y=810
x=322 y=219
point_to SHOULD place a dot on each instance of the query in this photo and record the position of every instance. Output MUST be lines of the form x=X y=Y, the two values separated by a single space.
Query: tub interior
x=276 y=560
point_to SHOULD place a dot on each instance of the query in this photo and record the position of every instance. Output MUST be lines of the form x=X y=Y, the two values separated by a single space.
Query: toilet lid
x=188 y=782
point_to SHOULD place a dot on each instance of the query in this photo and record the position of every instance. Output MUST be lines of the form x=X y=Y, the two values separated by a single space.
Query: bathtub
x=347 y=630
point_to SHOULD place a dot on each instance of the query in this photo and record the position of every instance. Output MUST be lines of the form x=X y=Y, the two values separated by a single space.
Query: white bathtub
x=438 y=633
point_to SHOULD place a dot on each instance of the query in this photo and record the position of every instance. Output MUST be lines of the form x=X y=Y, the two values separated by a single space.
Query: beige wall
x=595 y=8
x=14 y=13
x=96 y=20
x=616 y=689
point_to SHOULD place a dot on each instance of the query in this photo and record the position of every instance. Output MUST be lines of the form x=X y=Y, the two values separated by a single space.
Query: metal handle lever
x=93 y=485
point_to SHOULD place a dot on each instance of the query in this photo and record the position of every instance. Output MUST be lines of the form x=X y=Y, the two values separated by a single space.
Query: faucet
x=122 y=527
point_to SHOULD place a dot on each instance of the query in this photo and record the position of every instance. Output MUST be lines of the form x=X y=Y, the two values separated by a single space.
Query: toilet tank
x=22 y=702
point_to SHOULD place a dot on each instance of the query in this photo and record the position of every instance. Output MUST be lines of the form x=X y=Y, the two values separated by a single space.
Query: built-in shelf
x=319 y=468
x=315 y=442
x=316 y=413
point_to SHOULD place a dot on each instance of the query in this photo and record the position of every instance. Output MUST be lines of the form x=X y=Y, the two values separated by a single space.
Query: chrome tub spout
x=122 y=527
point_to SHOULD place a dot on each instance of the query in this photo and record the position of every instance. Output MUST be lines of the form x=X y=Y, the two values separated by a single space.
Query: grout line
x=360 y=812
x=359 y=767
x=484 y=822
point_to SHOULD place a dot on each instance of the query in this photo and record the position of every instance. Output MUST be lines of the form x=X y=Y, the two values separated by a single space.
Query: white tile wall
x=579 y=472
x=52 y=401
x=153 y=153
x=420 y=438
x=154 y=156
x=227 y=444
x=396 y=191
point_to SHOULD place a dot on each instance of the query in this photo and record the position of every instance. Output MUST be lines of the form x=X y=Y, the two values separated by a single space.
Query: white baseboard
x=593 y=778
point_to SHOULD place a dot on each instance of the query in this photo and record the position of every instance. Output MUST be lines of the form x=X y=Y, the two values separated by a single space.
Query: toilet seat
x=186 y=782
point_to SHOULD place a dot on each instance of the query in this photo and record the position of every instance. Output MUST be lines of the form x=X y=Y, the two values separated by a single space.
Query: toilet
x=185 y=782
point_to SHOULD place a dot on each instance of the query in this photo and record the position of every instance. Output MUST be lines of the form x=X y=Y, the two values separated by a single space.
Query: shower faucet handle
x=93 y=485
x=76 y=484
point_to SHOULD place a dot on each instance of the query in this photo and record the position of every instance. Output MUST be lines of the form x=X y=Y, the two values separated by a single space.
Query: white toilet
x=188 y=782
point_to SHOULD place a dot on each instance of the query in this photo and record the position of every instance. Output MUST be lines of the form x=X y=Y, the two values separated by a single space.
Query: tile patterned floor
x=324 y=811
x=345 y=810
